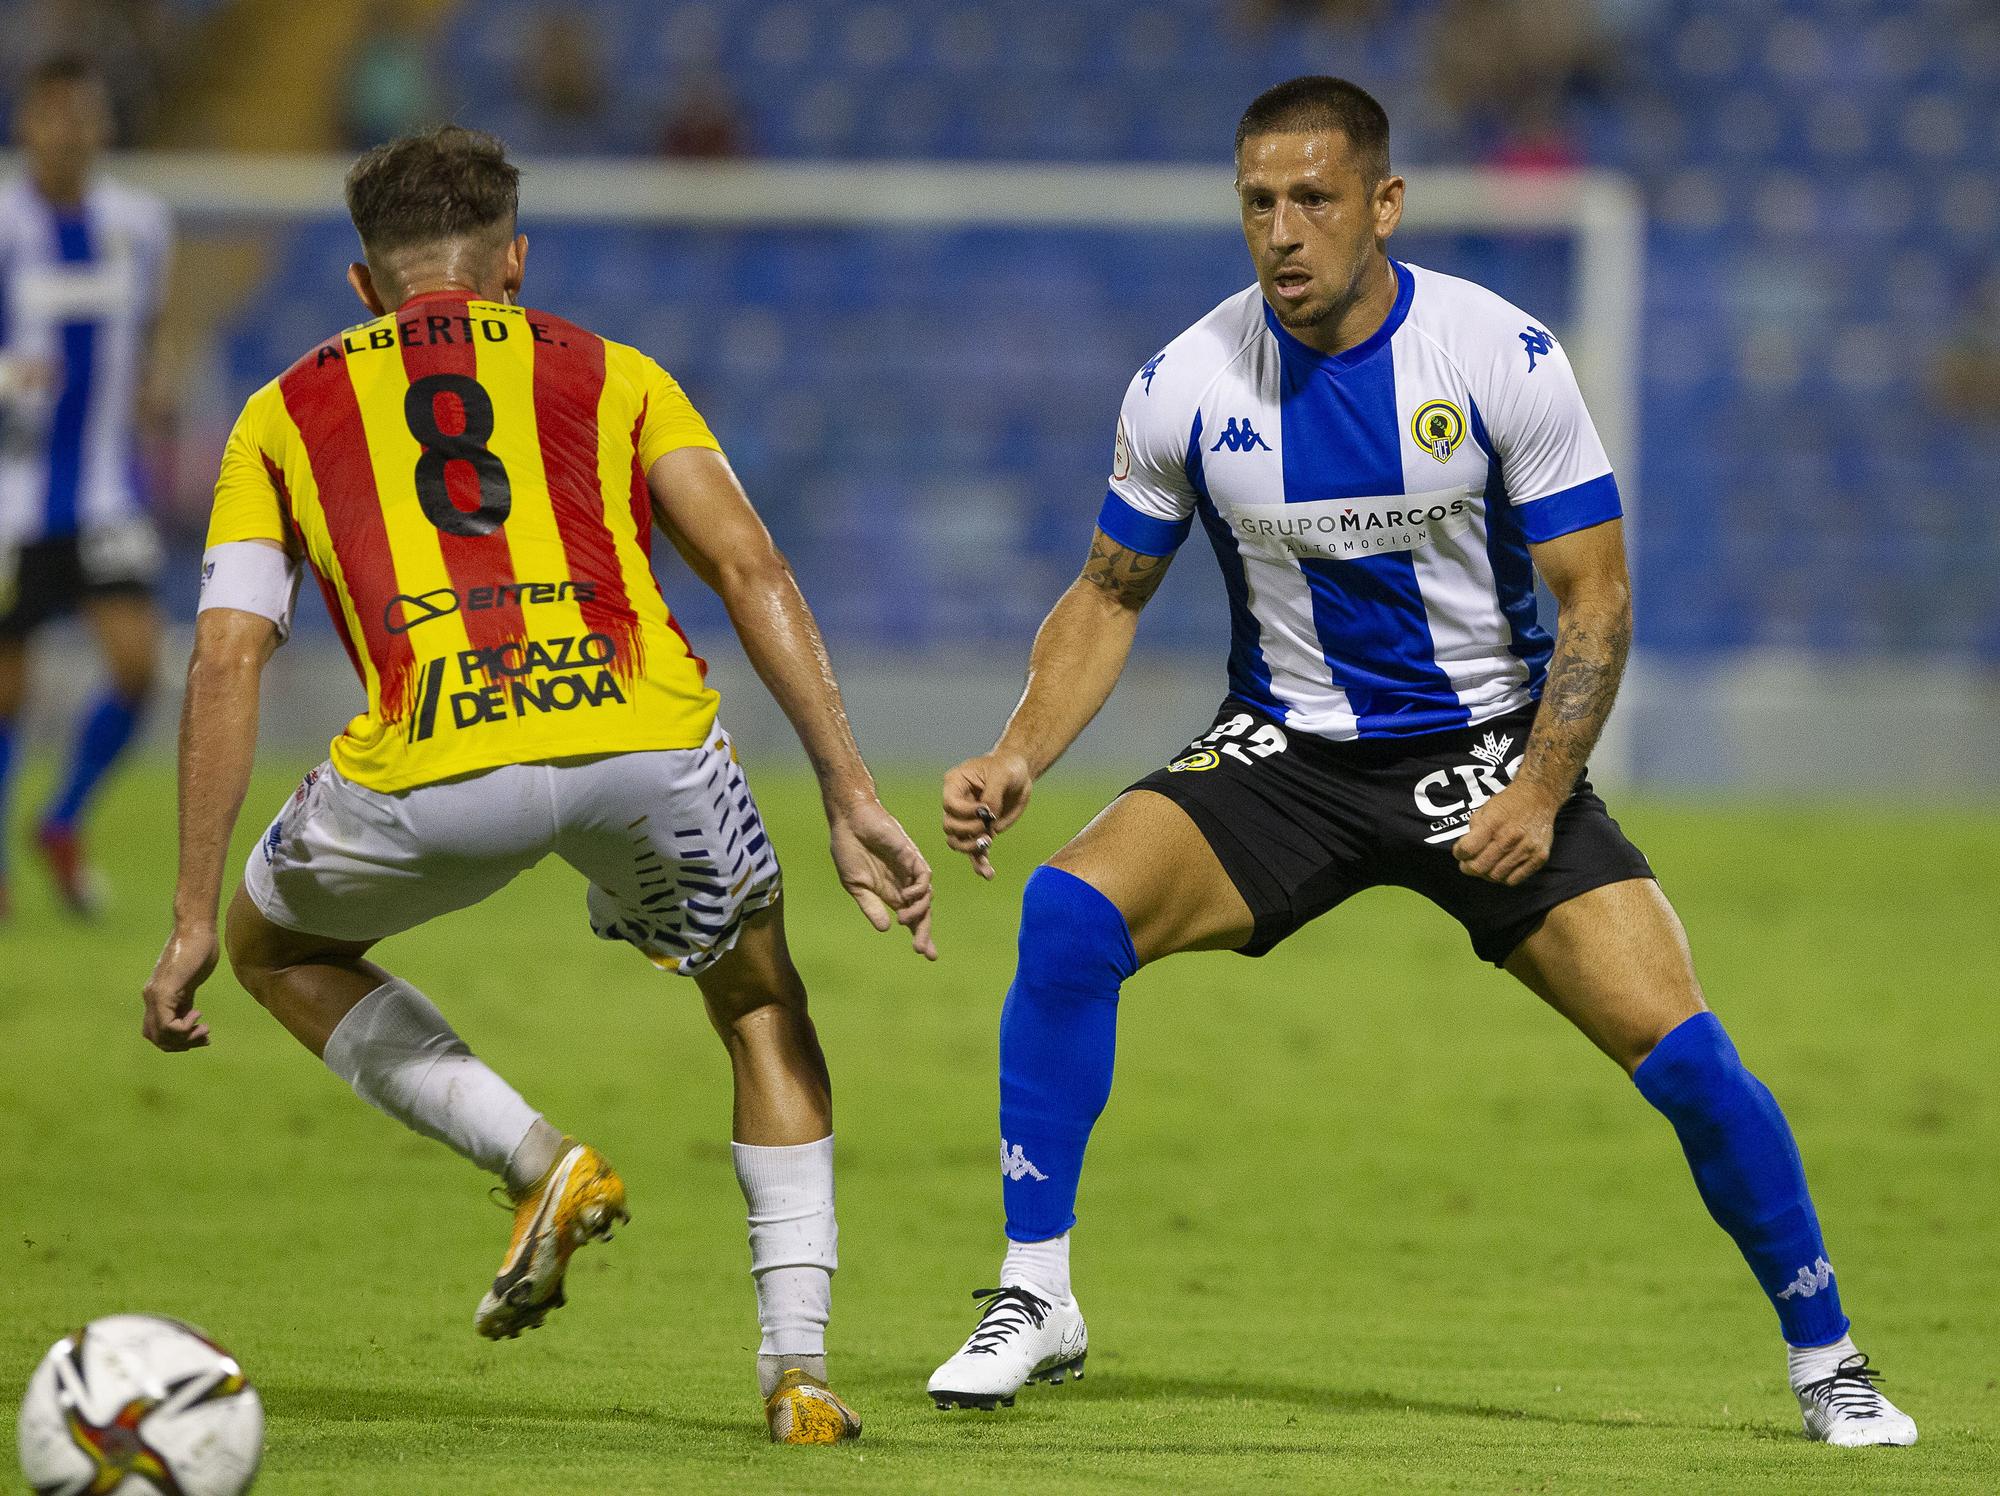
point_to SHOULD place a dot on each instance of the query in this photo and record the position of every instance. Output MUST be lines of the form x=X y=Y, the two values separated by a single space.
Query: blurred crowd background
x=925 y=415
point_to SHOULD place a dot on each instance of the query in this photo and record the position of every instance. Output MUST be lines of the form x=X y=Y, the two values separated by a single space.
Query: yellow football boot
x=580 y=1199
x=803 y=1410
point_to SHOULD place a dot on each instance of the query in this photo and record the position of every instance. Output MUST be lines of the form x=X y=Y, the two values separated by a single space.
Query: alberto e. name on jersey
x=1372 y=510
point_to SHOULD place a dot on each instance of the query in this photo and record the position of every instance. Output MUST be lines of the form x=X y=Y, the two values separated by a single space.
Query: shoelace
x=1850 y=1391
x=1006 y=1312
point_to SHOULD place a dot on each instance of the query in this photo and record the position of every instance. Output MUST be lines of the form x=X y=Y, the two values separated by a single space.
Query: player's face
x=63 y=127
x=1314 y=222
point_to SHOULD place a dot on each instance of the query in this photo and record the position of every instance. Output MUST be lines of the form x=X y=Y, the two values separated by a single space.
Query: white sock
x=395 y=1048
x=1813 y=1363
x=794 y=1249
x=1040 y=1265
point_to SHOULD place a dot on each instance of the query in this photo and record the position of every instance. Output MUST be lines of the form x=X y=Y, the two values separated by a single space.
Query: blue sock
x=6 y=784
x=106 y=728
x=1748 y=1171
x=1058 y=1034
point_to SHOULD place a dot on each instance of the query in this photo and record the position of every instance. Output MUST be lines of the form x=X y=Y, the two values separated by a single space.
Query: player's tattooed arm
x=1510 y=836
x=1584 y=673
x=1080 y=651
x=1127 y=575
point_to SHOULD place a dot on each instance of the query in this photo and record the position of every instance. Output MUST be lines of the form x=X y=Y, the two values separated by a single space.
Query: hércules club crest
x=1439 y=428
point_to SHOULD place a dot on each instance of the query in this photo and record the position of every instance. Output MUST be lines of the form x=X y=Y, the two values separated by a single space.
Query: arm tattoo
x=1583 y=682
x=1126 y=575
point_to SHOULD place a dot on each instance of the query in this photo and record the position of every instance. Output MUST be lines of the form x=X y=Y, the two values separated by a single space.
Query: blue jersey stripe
x=1144 y=533
x=1513 y=570
x=1249 y=671
x=1342 y=440
x=1578 y=508
x=79 y=360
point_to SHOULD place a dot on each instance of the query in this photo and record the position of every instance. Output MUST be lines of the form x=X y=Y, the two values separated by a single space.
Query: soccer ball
x=136 y=1405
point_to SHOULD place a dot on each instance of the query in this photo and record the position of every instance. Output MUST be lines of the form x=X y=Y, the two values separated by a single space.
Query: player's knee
x=246 y=941
x=1073 y=938
x=1695 y=1070
x=737 y=992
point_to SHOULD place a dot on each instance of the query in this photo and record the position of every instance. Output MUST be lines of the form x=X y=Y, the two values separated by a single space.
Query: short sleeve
x=1150 y=504
x=670 y=422
x=1557 y=475
x=248 y=505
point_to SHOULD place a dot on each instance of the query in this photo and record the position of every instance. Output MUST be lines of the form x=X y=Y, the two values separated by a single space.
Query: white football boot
x=1845 y=1409
x=1021 y=1338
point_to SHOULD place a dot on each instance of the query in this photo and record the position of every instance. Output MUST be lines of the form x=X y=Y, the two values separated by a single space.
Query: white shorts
x=672 y=844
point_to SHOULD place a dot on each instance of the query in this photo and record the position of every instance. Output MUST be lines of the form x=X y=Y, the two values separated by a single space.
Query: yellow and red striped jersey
x=467 y=481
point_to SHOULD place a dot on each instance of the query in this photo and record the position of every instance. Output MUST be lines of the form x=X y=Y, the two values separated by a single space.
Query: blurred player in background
x=1384 y=458
x=475 y=486
x=83 y=264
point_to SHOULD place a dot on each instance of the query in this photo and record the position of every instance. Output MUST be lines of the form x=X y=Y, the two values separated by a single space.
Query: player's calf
x=1747 y=1168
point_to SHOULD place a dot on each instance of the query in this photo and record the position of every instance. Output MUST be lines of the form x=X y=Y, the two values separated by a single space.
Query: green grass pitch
x=1362 y=1216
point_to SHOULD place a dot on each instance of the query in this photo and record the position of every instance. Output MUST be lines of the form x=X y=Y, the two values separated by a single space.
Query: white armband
x=252 y=577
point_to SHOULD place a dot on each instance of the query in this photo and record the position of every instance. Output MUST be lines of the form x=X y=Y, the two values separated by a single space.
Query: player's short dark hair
x=1317 y=102
x=442 y=184
x=61 y=67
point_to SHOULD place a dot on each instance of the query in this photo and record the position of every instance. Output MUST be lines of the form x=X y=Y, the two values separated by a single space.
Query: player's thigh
x=1615 y=962
x=127 y=626
x=344 y=862
x=1146 y=855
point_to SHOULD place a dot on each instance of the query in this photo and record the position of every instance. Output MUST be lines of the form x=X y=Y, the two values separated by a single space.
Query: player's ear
x=359 y=277
x=517 y=266
x=1388 y=205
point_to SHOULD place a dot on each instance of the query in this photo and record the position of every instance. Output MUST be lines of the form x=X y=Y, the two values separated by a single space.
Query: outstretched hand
x=983 y=797
x=172 y=1022
x=881 y=867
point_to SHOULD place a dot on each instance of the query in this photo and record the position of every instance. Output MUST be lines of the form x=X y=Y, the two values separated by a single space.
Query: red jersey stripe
x=326 y=589
x=569 y=382
x=321 y=401
x=470 y=560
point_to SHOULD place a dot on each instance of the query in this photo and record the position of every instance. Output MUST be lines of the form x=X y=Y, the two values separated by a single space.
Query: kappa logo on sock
x=1015 y=1165
x=1810 y=1281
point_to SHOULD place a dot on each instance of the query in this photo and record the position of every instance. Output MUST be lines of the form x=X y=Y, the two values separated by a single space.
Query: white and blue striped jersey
x=79 y=289
x=1372 y=509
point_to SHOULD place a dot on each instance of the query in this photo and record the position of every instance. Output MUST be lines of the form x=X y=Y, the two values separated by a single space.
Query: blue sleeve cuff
x=1572 y=509
x=1141 y=532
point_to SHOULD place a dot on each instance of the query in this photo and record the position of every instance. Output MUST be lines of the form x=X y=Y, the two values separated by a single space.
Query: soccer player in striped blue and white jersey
x=82 y=268
x=1383 y=458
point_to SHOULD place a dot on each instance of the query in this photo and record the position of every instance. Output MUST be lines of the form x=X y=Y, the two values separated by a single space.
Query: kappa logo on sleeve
x=1537 y=342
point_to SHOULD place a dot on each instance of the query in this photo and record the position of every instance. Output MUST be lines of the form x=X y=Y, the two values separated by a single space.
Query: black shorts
x=1300 y=823
x=46 y=579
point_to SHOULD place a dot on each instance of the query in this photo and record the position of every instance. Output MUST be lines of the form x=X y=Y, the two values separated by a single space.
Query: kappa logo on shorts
x=1450 y=796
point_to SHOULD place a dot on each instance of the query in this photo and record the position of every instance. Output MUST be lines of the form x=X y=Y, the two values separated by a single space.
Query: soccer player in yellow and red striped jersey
x=475 y=485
